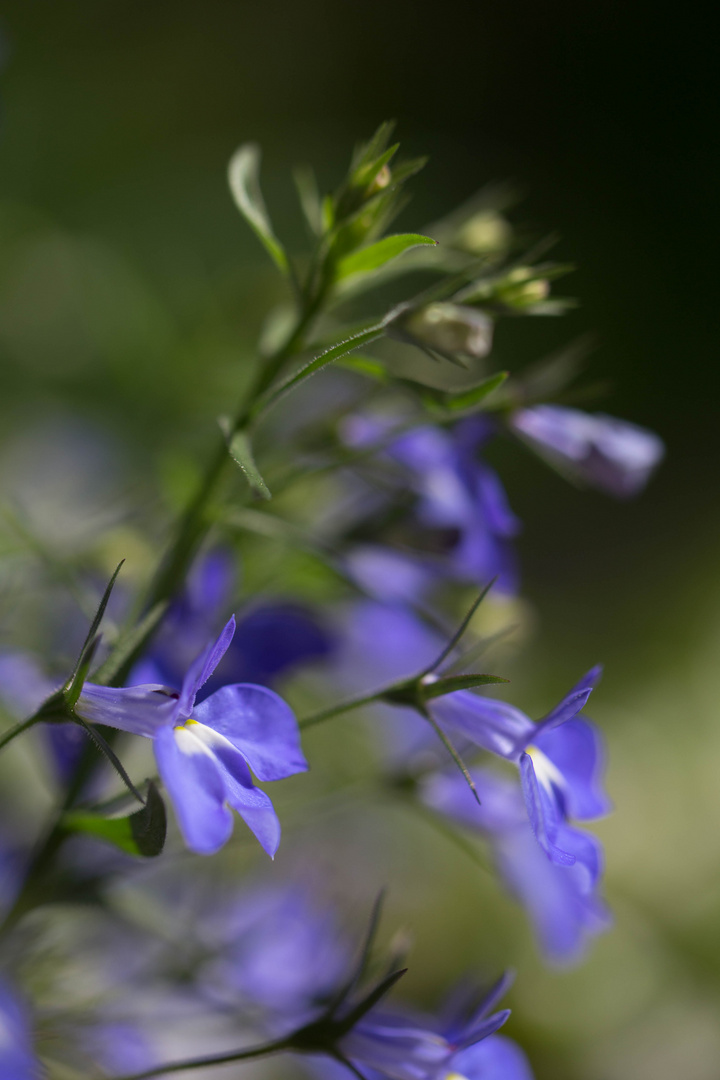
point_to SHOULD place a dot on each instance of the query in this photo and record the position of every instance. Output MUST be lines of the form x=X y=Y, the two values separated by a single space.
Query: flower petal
x=251 y=803
x=196 y=785
x=494 y=725
x=260 y=724
x=543 y=813
x=139 y=710
x=577 y=751
x=202 y=668
x=495 y=1058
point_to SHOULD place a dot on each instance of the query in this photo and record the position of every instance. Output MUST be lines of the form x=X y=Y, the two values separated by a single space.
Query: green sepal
x=376 y=255
x=470 y=399
x=240 y=450
x=141 y=833
x=73 y=687
x=448 y=684
x=244 y=180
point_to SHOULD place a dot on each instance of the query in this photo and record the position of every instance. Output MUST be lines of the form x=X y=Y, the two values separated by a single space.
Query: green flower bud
x=451 y=328
x=485 y=233
x=522 y=289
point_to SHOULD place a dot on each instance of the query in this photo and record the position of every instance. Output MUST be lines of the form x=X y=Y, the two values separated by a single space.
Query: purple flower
x=423 y=1048
x=269 y=640
x=459 y=498
x=203 y=751
x=598 y=450
x=279 y=953
x=561 y=758
x=17 y=1059
x=562 y=902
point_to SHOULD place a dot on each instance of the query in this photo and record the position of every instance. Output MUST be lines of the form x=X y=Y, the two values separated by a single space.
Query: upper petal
x=260 y=724
x=202 y=668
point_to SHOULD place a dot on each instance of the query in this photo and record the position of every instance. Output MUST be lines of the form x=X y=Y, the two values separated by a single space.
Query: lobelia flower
x=460 y=1043
x=17 y=1059
x=612 y=455
x=562 y=902
x=561 y=758
x=276 y=952
x=459 y=498
x=269 y=641
x=203 y=750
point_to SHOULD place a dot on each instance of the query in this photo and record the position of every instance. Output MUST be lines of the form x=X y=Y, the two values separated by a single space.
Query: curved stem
x=338 y=710
x=213 y=1059
x=18 y=729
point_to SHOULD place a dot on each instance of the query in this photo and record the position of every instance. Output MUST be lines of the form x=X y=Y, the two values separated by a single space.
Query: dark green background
x=144 y=301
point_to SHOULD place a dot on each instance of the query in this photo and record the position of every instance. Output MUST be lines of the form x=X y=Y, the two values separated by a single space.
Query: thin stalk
x=213 y=1059
x=18 y=729
x=338 y=710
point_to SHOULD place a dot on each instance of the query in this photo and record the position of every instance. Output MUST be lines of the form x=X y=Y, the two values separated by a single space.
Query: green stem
x=213 y=1059
x=24 y=725
x=338 y=710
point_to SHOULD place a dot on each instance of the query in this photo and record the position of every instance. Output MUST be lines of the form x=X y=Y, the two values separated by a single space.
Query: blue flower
x=17 y=1059
x=460 y=499
x=562 y=902
x=203 y=750
x=269 y=641
x=278 y=953
x=598 y=450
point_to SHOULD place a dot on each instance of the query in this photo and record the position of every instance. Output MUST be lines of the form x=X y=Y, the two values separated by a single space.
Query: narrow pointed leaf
x=467 y=399
x=452 y=752
x=309 y=196
x=106 y=749
x=341 y=348
x=241 y=452
x=95 y=624
x=378 y=254
x=73 y=689
x=243 y=177
x=451 y=683
x=370 y=1000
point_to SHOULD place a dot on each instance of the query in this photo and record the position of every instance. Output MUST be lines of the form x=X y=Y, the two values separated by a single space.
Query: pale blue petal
x=202 y=668
x=260 y=724
x=139 y=710
x=195 y=783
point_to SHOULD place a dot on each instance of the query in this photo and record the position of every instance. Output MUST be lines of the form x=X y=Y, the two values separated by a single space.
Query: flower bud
x=381 y=180
x=485 y=233
x=522 y=289
x=451 y=328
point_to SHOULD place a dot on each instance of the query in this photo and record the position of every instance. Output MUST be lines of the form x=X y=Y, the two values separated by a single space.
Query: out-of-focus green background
x=131 y=294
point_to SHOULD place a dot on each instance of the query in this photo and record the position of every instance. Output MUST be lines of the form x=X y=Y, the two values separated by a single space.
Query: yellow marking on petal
x=455 y=1076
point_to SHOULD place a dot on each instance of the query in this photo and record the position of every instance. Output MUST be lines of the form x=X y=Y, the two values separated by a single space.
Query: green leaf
x=243 y=177
x=365 y=365
x=141 y=833
x=342 y=348
x=74 y=684
x=309 y=197
x=467 y=399
x=374 y=146
x=450 y=683
x=378 y=254
x=240 y=450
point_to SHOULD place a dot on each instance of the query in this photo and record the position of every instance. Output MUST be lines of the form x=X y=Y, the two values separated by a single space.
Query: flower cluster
x=389 y=515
